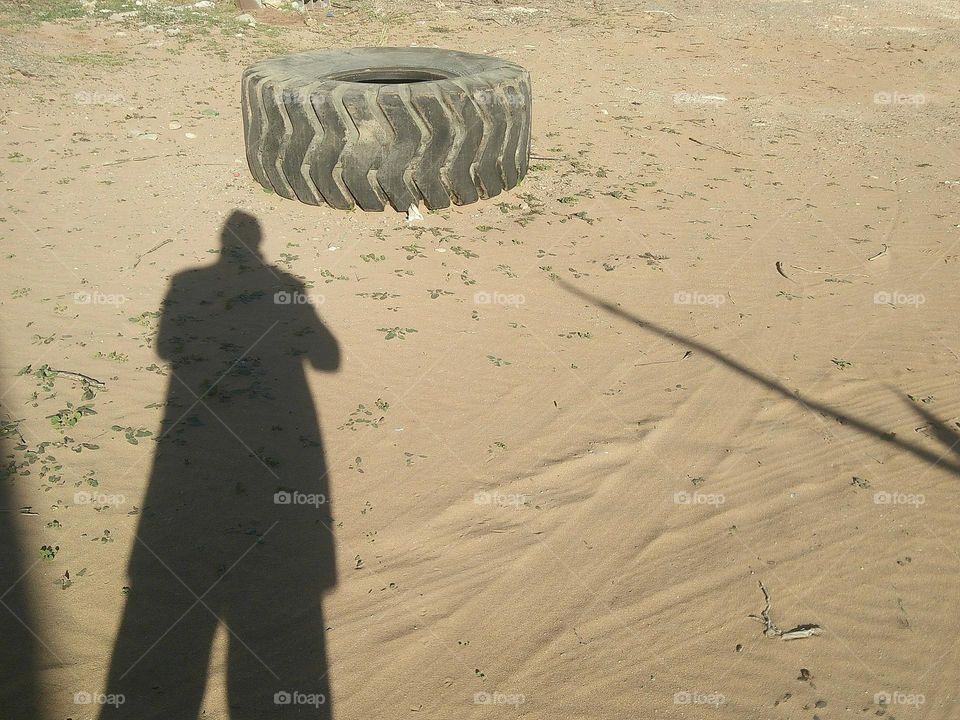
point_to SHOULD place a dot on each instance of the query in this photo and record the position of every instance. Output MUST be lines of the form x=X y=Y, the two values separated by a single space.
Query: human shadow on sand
x=235 y=528
x=22 y=652
x=948 y=458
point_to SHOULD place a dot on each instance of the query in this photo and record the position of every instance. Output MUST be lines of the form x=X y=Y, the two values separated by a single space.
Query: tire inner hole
x=390 y=76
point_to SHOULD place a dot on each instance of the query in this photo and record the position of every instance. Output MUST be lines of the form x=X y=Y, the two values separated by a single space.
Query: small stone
x=820 y=703
x=174 y=125
x=189 y=136
x=246 y=18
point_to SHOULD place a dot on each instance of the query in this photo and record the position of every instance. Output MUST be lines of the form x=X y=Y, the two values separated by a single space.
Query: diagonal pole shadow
x=949 y=459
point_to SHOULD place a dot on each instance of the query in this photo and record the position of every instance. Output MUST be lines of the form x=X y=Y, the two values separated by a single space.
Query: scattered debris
x=715 y=147
x=87 y=378
x=685 y=98
x=414 y=214
x=153 y=249
x=780 y=270
x=827 y=272
x=687 y=354
x=771 y=630
x=801 y=631
x=661 y=12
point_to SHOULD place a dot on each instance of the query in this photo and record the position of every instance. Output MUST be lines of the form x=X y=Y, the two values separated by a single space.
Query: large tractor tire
x=371 y=126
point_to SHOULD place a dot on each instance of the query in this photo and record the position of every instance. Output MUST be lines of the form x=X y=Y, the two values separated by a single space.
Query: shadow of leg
x=159 y=665
x=277 y=661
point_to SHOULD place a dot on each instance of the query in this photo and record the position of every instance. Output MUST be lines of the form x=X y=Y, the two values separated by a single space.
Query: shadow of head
x=241 y=234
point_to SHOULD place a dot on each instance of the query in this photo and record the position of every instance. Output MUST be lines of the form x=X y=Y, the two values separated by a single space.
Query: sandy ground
x=710 y=342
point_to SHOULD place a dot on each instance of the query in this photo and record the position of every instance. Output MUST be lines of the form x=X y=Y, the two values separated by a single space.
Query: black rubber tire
x=371 y=126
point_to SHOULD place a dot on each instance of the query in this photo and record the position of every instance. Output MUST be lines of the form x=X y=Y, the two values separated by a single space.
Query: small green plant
x=131 y=433
x=413 y=251
x=410 y=458
x=497 y=446
x=70 y=415
x=366 y=416
x=329 y=277
x=49 y=552
x=463 y=252
x=396 y=332
x=145 y=319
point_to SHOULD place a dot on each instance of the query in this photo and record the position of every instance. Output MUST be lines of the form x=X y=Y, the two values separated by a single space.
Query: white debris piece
x=698 y=99
x=414 y=214
x=801 y=631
